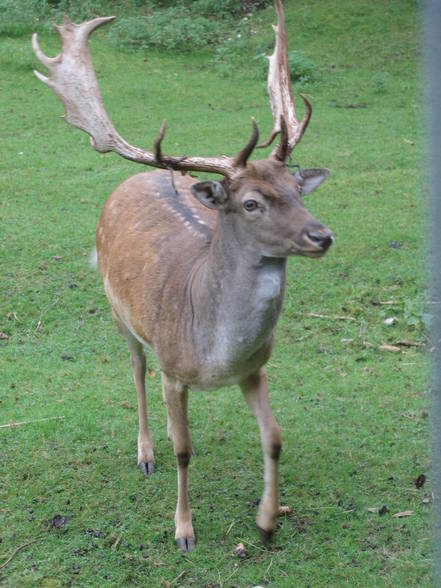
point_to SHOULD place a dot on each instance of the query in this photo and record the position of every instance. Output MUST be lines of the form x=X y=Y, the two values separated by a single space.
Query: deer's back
x=150 y=238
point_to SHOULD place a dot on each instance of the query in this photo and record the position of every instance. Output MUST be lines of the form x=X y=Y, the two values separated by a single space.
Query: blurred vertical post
x=432 y=84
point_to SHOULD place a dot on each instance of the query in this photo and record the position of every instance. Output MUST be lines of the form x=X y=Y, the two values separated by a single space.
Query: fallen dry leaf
x=57 y=521
x=405 y=513
x=372 y=509
x=241 y=551
x=419 y=482
x=284 y=510
x=391 y=348
x=390 y=321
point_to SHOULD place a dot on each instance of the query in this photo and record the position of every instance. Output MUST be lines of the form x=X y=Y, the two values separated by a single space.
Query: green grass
x=352 y=416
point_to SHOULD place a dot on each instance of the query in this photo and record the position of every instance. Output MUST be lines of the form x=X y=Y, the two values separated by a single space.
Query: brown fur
x=203 y=289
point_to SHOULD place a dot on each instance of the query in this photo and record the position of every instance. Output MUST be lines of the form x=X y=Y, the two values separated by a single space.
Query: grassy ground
x=353 y=415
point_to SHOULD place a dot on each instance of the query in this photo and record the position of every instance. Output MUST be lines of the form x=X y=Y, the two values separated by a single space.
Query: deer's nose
x=322 y=238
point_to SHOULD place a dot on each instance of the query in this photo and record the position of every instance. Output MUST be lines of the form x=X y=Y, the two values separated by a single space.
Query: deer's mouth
x=314 y=254
x=314 y=243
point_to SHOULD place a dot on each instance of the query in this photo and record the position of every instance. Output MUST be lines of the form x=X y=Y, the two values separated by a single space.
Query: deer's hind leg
x=146 y=460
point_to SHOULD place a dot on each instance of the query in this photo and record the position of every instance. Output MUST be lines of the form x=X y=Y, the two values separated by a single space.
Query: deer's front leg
x=255 y=390
x=176 y=398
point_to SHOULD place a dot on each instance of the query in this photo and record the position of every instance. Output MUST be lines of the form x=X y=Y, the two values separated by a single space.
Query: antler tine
x=73 y=79
x=270 y=139
x=85 y=29
x=243 y=155
x=280 y=93
x=158 y=141
x=45 y=60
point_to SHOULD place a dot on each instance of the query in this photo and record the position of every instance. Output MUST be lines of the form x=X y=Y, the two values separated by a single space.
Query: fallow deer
x=195 y=270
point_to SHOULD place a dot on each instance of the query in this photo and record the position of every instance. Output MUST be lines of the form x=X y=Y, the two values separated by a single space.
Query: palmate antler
x=280 y=95
x=73 y=79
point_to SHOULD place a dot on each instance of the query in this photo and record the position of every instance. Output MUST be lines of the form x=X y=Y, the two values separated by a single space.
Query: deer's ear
x=211 y=194
x=310 y=179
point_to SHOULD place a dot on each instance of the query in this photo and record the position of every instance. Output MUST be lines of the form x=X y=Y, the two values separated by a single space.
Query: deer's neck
x=237 y=297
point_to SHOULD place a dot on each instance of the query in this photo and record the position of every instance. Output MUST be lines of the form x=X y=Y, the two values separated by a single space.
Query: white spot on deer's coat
x=179 y=216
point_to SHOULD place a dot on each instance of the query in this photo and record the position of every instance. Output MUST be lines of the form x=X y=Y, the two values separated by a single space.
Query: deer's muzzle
x=322 y=239
x=316 y=240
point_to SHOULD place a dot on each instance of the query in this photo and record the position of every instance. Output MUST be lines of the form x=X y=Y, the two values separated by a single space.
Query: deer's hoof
x=265 y=536
x=147 y=467
x=185 y=544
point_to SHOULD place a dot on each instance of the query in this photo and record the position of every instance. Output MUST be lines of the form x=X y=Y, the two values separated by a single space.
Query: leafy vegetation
x=349 y=387
x=225 y=27
x=301 y=68
x=166 y=29
x=23 y=16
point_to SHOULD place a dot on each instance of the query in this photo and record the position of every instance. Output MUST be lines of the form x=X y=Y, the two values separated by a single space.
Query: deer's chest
x=243 y=332
x=231 y=329
x=252 y=321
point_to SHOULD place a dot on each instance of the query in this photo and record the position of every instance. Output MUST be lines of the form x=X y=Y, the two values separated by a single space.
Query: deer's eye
x=250 y=205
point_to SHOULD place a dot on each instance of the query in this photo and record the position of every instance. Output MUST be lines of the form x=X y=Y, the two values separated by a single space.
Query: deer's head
x=263 y=197
x=265 y=203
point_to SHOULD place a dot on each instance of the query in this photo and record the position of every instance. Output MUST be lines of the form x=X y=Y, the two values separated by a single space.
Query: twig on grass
x=329 y=317
x=117 y=542
x=16 y=550
x=366 y=344
x=230 y=527
x=263 y=549
x=389 y=302
x=181 y=575
x=44 y=312
x=230 y=576
x=268 y=568
x=391 y=348
x=18 y=424
x=409 y=344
